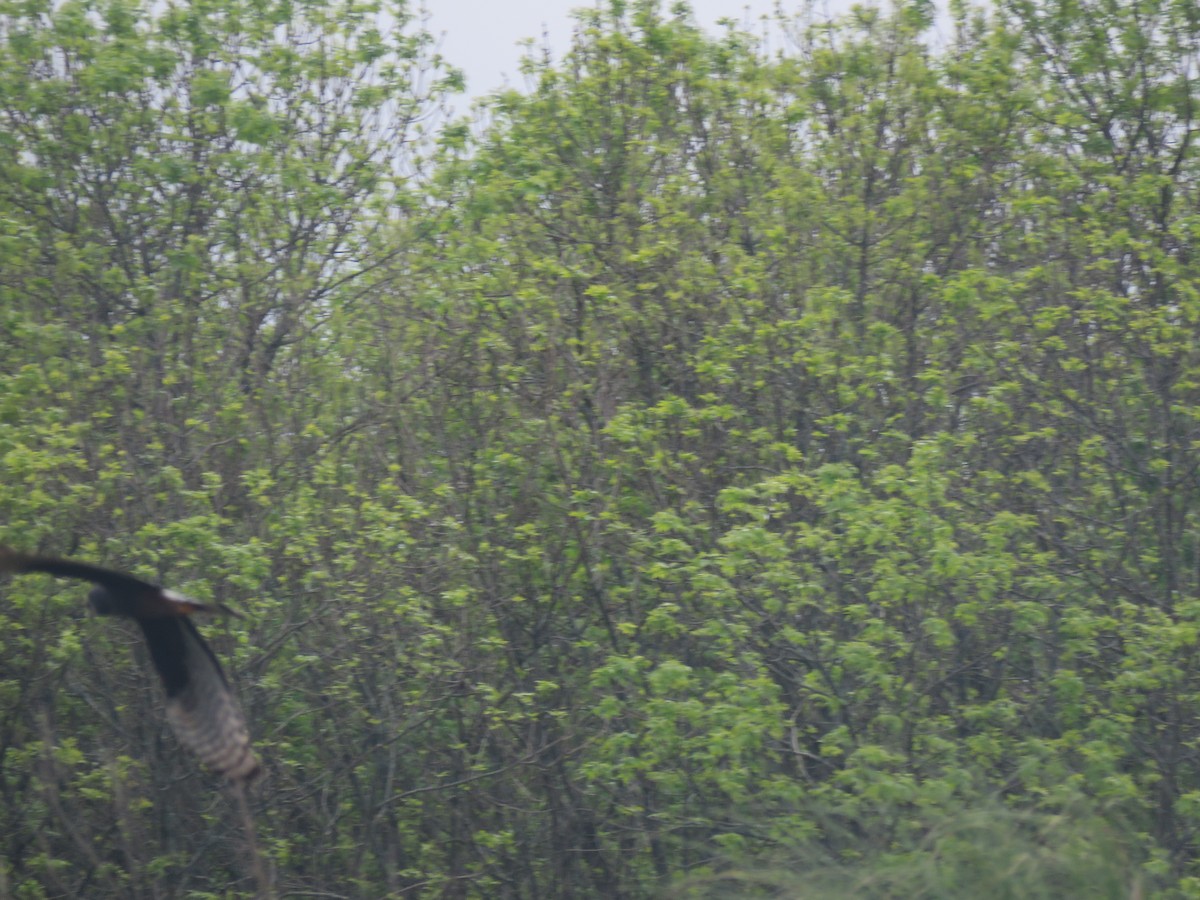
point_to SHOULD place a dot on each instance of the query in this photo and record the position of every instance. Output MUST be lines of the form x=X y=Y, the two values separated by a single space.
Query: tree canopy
x=726 y=466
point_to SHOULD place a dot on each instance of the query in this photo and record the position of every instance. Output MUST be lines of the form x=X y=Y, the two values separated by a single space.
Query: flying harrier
x=201 y=708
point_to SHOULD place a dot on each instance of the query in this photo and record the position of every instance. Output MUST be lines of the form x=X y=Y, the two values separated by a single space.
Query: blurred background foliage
x=719 y=471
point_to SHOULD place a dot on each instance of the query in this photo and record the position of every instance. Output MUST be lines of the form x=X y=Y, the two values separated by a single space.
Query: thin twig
x=257 y=863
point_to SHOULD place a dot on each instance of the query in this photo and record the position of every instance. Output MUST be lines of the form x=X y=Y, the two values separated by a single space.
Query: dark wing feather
x=115 y=582
x=201 y=708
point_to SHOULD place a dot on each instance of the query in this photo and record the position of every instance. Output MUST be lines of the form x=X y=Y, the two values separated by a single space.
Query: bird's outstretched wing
x=201 y=707
x=115 y=582
x=126 y=595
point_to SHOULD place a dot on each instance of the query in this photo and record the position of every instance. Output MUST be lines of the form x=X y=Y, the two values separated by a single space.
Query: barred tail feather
x=215 y=730
x=201 y=707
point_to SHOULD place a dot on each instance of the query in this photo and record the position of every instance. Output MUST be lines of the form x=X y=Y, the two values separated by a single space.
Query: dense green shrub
x=714 y=471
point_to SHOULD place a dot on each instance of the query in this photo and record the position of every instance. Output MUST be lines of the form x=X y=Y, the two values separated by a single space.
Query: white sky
x=481 y=36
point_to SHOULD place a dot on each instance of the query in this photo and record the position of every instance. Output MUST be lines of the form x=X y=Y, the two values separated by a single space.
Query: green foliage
x=988 y=852
x=717 y=471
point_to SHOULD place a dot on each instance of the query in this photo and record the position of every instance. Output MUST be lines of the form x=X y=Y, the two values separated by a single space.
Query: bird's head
x=102 y=601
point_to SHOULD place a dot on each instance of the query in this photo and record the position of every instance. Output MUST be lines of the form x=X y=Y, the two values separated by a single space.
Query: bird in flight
x=201 y=707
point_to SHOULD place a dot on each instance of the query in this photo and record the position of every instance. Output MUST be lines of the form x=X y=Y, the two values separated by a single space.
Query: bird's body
x=201 y=707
